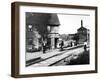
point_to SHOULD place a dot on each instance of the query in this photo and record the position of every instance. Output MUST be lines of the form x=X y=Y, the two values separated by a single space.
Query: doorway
x=56 y=41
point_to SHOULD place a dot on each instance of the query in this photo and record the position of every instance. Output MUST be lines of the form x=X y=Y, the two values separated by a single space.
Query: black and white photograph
x=51 y=39
x=57 y=39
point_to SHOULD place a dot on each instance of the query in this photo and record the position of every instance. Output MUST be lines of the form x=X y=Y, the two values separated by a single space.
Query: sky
x=70 y=23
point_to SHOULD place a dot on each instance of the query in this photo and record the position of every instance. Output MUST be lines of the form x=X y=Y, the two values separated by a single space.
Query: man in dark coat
x=62 y=44
x=44 y=46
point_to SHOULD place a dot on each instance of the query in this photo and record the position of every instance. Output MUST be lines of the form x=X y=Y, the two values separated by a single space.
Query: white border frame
x=38 y=70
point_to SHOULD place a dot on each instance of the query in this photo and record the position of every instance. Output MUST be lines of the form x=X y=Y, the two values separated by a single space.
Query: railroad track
x=50 y=61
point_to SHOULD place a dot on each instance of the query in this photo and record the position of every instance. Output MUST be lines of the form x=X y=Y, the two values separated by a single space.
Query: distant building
x=83 y=34
x=41 y=27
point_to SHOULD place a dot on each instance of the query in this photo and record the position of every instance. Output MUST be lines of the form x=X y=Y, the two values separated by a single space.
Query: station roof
x=42 y=18
x=82 y=28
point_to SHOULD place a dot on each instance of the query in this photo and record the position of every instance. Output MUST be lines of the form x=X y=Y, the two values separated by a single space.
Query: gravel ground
x=75 y=59
x=83 y=58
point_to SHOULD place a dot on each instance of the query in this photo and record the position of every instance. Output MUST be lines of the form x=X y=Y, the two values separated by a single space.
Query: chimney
x=81 y=23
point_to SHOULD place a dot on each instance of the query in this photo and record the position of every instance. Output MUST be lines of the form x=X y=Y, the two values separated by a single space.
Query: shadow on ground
x=83 y=58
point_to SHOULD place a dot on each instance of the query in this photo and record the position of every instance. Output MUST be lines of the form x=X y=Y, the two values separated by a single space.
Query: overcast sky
x=70 y=23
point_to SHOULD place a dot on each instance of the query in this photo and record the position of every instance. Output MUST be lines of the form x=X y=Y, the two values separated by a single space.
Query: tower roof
x=42 y=18
x=82 y=28
x=53 y=20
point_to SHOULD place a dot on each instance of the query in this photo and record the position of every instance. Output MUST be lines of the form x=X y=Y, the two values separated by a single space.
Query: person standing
x=71 y=44
x=44 y=46
x=85 y=46
x=62 y=44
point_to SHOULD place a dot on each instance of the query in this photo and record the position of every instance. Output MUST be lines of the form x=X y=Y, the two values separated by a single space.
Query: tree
x=76 y=38
x=64 y=37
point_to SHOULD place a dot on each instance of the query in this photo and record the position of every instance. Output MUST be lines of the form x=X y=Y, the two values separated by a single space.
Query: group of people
x=44 y=46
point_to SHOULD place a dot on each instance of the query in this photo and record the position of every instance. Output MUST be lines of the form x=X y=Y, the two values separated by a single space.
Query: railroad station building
x=41 y=27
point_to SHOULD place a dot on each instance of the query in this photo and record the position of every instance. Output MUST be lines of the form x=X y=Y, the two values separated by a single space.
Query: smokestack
x=81 y=23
